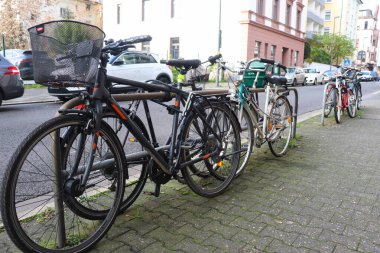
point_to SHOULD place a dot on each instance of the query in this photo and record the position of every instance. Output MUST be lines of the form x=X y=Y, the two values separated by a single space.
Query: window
x=298 y=20
x=145 y=58
x=288 y=14
x=266 y=51
x=256 y=53
x=174 y=47
x=365 y=25
x=326 y=30
x=65 y=13
x=327 y=15
x=260 y=7
x=118 y=10
x=275 y=9
x=296 y=58
x=361 y=56
x=145 y=46
x=145 y=10
x=127 y=59
x=273 y=52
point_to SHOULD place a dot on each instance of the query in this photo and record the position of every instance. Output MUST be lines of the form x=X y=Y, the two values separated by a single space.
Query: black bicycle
x=64 y=185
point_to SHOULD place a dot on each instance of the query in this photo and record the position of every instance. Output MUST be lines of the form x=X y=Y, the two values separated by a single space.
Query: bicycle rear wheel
x=137 y=167
x=41 y=206
x=280 y=125
x=211 y=176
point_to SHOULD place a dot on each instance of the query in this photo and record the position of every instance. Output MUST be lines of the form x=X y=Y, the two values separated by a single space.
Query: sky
x=370 y=4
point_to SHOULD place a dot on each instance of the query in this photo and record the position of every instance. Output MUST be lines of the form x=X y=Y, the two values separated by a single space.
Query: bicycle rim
x=352 y=104
x=32 y=207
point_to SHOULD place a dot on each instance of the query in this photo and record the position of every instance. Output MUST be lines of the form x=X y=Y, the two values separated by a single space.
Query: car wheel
x=304 y=82
x=1 y=98
x=315 y=81
x=163 y=79
x=294 y=82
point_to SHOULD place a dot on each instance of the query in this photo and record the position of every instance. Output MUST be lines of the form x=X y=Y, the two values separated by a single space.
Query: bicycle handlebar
x=213 y=59
x=272 y=62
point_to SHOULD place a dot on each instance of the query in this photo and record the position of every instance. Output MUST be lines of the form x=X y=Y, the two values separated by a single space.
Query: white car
x=139 y=66
x=133 y=65
x=313 y=76
x=295 y=75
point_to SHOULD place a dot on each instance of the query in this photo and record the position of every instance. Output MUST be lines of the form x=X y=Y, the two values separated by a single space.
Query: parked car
x=11 y=85
x=366 y=76
x=133 y=65
x=22 y=59
x=295 y=75
x=313 y=76
x=328 y=75
x=375 y=76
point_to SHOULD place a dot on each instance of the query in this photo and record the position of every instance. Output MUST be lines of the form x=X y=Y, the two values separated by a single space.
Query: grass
x=293 y=143
x=34 y=86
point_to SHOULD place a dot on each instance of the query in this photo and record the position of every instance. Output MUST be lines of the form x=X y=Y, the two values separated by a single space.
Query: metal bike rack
x=295 y=111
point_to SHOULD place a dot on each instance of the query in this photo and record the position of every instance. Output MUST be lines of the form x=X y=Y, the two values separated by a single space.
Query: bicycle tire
x=31 y=228
x=216 y=181
x=138 y=176
x=247 y=132
x=359 y=96
x=337 y=109
x=280 y=126
x=352 y=104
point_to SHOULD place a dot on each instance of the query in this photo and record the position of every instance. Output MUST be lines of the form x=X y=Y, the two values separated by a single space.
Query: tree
x=16 y=17
x=330 y=47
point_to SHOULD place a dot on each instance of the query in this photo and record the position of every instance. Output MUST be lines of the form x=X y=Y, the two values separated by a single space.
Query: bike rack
x=295 y=111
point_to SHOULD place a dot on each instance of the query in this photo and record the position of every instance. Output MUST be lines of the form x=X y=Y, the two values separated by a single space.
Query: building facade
x=367 y=38
x=341 y=17
x=273 y=29
x=315 y=18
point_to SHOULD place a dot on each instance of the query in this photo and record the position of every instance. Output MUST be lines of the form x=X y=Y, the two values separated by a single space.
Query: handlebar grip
x=212 y=59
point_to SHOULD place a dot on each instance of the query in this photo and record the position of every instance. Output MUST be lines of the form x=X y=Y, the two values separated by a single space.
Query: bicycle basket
x=66 y=53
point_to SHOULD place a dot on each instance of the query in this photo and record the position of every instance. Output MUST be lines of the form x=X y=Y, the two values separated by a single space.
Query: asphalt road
x=16 y=121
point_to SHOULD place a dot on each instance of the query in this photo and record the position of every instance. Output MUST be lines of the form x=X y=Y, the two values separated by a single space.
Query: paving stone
x=190 y=246
x=279 y=246
x=337 y=228
x=306 y=242
x=348 y=241
x=343 y=249
x=197 y=235
x=226 y=231
x=223 y=245
x=253 y=241
x=286 y=237
x=168 y=239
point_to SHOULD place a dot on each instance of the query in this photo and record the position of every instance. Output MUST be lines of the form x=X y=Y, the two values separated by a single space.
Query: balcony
x=315 y=18
x=321 y=2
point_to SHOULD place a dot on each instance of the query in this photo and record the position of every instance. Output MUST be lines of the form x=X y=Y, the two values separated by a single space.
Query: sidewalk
x=323 y=196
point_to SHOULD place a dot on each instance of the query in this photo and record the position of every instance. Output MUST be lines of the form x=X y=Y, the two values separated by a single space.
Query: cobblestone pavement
x=322 y=197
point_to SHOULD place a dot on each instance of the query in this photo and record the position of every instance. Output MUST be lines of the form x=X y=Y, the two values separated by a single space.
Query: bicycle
x=343 y=98
x=77 y=159
x=274 y=124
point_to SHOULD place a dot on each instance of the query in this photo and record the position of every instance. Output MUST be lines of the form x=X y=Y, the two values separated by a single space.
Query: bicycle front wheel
x=211 y=175
x=329 y=102
x=42 y=206
x=352 y=104
x=337 y=106
x=247 y=128
x=280 y=125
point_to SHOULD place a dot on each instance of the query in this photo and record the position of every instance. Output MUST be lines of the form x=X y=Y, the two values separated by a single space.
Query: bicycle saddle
x=278 y=80
x=187 y=64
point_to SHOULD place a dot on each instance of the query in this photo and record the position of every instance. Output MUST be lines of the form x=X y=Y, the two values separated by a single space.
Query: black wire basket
x=66 y=53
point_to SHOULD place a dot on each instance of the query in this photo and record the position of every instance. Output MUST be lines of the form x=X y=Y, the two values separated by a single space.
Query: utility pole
x=219 y=41
x=333 y=38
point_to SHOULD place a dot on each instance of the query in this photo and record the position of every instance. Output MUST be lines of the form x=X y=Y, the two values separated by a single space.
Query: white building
x=315 y=18
x=190 y=29
x=367 y=38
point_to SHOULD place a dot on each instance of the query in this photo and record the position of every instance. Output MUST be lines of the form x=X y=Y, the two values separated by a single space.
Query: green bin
x=251 y=71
